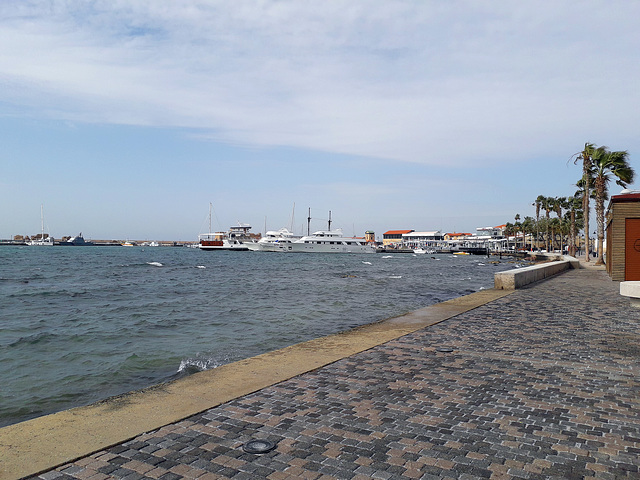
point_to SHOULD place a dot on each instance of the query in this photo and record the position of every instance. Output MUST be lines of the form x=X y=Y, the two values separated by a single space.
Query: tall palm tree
x=573 y=206
x=538 y=203
x=559 y=204
x=528 y=228
x=586 y=156
x=549 y=205
x=607 y=165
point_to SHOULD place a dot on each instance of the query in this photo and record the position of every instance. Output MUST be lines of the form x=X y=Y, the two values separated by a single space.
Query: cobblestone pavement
x=543 y=383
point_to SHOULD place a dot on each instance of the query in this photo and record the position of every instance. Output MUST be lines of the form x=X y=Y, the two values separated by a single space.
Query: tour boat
x=221 y=241
x=234 y=239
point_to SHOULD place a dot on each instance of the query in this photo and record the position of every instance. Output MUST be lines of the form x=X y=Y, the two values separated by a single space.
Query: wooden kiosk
x=623 y=236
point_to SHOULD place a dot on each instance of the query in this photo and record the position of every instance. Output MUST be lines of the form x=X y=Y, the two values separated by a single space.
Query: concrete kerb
x=631 y=289
x=517 y=278
x=41 y=444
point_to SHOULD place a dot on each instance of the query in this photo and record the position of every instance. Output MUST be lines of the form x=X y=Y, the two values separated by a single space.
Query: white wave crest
x=155 y=264
x=197 y=364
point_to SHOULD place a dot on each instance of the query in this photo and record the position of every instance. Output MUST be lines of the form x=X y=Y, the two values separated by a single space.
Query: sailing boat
x=42 y=241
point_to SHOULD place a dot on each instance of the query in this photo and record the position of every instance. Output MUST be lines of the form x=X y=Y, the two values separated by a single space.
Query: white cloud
x=428 y=82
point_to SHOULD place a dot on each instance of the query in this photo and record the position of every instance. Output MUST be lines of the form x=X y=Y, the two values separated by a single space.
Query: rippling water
x=79 y=324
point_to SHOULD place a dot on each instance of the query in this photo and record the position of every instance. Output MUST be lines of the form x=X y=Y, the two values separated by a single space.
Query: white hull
x=224 y=245
x=47 y=242
x=330 y=242
x=42 y=242
x=273 y=241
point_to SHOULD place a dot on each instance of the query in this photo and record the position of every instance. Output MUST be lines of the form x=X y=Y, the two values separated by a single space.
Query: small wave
x=395 y=276
x=367 y=263
x=33 y=339
x=388 y=256
x=194 y=365
x=200 y=266
x=155 y=264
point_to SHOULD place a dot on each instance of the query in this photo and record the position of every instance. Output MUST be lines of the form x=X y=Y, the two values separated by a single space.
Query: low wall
x=631 y=289
x=519 y=277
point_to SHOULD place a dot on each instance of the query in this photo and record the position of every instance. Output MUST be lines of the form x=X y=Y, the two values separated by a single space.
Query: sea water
x=80 y=324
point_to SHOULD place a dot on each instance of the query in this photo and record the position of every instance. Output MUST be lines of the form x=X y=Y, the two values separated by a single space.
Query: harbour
x=422 y=395
x=87 y=323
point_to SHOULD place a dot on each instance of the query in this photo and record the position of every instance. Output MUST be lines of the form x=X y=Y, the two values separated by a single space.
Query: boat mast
x=210 y=207
x=42 y=221
x=329 y=220
x=293 y=213
x=309 y=223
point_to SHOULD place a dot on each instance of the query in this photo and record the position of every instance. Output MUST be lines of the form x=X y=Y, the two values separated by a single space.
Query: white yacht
x=330 y=241
x=42 y=241
x=273 y=241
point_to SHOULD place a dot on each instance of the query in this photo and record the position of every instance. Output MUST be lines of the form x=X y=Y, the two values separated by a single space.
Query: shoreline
x=43 y=443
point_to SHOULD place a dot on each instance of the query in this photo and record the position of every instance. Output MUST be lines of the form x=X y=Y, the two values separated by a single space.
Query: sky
x=126 y=119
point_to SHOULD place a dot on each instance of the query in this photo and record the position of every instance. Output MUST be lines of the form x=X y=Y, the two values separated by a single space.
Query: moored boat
x=41 y=241
x=220 y=241
x=77 y=241
x=330 y=241
x=273 y=241
x=234 y=239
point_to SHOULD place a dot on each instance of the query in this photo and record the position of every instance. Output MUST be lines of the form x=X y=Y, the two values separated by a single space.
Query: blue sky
x=125 y=119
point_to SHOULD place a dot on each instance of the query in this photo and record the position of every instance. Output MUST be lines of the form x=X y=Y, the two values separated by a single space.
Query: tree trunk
x=585 y=208
x=572 y=246
x=599 y=186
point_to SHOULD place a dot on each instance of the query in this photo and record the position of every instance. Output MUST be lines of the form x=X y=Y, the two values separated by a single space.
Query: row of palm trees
x=547 y=230
x=599 y=167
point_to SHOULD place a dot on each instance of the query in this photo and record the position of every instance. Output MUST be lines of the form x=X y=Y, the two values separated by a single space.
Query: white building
x=422 y=239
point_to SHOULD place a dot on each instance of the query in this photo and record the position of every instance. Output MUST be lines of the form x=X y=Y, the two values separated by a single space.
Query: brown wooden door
x=632 y=249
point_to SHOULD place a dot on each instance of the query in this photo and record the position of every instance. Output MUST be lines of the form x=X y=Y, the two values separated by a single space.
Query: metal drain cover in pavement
x=258 y=446
x=444 y=349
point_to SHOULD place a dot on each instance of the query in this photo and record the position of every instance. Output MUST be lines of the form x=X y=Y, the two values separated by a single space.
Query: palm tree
x=607 y=165
x=573 y=205
x=538 y=203
x=547 y=206
x=528 y=227
x=509 y=229
x=586 y=155
x=559 y=204
x=555 y=225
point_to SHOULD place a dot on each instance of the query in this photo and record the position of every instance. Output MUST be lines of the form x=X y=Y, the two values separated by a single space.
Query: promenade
x=540 y=383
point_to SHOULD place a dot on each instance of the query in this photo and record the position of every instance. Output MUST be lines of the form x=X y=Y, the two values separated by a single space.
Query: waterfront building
x=493 y=232
x=431 y=239
x=456 y=236
x=393 y=238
